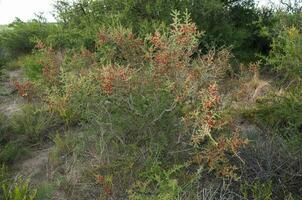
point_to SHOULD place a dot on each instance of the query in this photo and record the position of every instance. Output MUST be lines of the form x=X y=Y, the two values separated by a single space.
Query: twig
x=165 y=111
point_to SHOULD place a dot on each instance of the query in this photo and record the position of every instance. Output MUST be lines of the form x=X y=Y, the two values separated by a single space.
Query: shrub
x=12 y=150
x=217 y=17
x=3 y=57
x=68 y=38
x=3 y=125
x=20 y=37
x=281 y=113
x=285 y=56
x=158 y=184
x=261 y=169
x=73 y=98
x=120 y=46
x=159 y=97
x=32 y=65
x=32 y=122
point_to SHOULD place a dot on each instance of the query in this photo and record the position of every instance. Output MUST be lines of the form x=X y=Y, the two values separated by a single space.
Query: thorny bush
x=158 y=89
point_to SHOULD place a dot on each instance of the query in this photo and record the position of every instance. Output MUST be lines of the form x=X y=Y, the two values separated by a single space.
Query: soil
x=35 y=165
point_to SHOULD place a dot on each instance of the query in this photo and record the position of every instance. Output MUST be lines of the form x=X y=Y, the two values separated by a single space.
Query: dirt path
x=10 y=102
x=35 y=165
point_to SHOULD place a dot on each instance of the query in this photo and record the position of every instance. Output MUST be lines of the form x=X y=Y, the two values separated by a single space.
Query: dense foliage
x=135 y=100
x=227 y=23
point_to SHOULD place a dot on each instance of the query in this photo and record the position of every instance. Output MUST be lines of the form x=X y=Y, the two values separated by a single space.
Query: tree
x=292 y=5
x=226 y=22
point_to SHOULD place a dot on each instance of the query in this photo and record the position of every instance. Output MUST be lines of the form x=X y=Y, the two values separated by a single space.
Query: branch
x=165 y=111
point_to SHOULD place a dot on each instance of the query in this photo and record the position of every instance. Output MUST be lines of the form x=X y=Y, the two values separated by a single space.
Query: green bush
x=285 y=56
x=3 y=57
x=32 y=65
x=143 y=101
x=281 y=113
x=219 y=18
x=11 y=151
x=21 y=37
x=62 y=38
x=32 y=122
x=3 y=125
x=158 y=184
